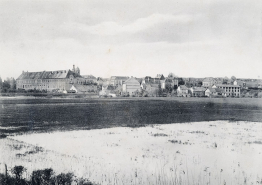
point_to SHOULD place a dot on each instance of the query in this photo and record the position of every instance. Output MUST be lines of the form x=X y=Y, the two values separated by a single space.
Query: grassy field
x=144 y=147
x=23 y=115
x=211 y=153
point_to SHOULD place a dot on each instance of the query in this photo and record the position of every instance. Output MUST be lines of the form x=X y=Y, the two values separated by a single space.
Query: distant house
x=241 y=83
x=215 y=92
x=209 y=81
x=183 y=90
x=230 y=90
x=197 y=91
x=173 y=81
x=102 y=81
x=83 y=88
x=90 y=78
x=131 y=85
x=210 y=91
x=251 y=85
x=159 y=79
x=118 y=80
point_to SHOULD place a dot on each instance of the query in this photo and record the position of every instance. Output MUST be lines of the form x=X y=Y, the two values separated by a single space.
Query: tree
x=1 y=83
x=159 y=89
x=5 y=86
x=18 y=172
x=181 y=81
x=199 y=83
x=233 y=78
x=168 y=88
x=171 y=75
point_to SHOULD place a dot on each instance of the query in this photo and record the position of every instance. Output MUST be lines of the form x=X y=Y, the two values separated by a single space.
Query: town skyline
x=189 y=38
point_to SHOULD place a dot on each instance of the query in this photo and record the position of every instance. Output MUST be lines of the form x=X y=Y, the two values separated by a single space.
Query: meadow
x=216 y=152
x=136 y=140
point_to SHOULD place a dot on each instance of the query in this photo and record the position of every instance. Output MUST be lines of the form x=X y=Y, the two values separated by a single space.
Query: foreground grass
x=219 y=152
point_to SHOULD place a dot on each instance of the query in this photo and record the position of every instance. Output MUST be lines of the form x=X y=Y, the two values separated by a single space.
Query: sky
x=190 y=38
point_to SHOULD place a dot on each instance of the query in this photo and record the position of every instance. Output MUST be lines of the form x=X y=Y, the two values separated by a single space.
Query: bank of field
x=217 y=152
x=26 y=115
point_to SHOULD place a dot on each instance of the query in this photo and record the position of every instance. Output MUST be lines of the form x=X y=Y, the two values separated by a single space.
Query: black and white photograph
x=141 y=92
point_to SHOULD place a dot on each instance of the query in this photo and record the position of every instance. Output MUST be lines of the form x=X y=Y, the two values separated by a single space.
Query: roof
x=48 y=75
x=199 y=89
x=81 y=88
x=110 y=87
x=119 y=77
x=208 y=79
x=252 y=84
x=159 y=76
x=89 y=76
x=183 y=87
x=226 y=85
x=131 y=81
x=219 y=90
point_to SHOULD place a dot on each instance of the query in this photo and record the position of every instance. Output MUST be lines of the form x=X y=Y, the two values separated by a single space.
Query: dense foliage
x=40 y=177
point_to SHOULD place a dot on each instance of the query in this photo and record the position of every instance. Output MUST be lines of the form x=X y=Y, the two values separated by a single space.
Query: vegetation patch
x=40 y=177
x=197 y=132
x=180 y=142
x=160 y=135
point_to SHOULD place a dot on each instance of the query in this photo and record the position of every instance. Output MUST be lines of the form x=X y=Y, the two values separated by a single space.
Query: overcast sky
x=191 y=38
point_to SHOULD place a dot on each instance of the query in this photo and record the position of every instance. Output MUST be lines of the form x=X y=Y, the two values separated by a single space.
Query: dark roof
x=119 y=77
x=199 y=89
x=226 y=85
x=219 y=90
x=48 y=75
x=252 y=84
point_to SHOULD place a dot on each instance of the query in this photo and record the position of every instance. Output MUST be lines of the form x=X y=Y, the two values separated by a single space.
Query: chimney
x=74 y=68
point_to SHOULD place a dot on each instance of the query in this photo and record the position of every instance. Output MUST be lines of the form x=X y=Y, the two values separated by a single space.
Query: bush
x=41 y=177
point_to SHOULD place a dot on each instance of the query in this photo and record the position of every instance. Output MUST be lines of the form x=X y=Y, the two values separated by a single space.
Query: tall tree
x=233 y=78
x=1 y=83
x=171 y=75
x=181 y=81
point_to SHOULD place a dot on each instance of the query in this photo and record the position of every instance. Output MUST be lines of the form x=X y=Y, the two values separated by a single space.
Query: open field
x=136 y=140
x=217 y=152
x=40 y=115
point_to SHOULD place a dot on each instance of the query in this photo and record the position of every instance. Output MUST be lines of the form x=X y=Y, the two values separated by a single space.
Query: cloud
x=113 y=28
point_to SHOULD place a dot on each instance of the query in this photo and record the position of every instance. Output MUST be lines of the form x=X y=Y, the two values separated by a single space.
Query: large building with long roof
x=49 y=80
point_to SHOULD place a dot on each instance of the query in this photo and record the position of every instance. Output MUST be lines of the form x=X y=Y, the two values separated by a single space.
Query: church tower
x=77 y=70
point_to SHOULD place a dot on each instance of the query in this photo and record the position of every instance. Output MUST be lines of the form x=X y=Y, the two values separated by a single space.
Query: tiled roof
x=226 y=85
x=82 y=88
x=199 y=89
x=131 y=80
x=119 y=77
x=48 y=75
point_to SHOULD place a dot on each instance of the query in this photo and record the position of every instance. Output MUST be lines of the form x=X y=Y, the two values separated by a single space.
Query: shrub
x=64 y=179
x=41 y=177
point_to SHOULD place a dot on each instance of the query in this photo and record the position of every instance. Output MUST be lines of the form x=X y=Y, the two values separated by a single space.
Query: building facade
x=230 y=90
x=131 y=86
x=49 y=80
